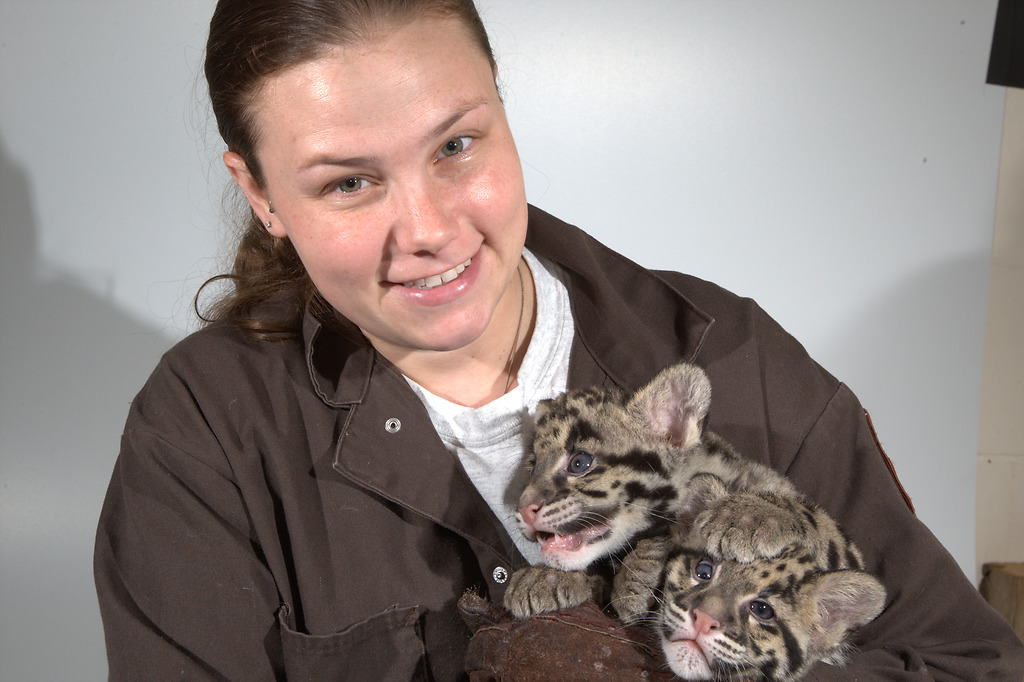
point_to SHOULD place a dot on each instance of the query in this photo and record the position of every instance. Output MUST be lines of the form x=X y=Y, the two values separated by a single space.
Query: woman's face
x=391 y=168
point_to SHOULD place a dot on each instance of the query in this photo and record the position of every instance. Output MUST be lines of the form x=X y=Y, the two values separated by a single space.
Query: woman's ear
x=257 y=198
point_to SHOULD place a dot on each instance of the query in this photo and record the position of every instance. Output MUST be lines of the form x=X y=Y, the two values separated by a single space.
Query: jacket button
x=500 y=575
x=393 y=425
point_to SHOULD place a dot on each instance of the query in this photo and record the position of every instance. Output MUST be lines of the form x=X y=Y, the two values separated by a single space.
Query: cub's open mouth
x=571 y=542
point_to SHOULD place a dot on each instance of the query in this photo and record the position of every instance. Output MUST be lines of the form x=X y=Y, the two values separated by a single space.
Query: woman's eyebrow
x=453 y=119
x=331 y=160
x=328 y=159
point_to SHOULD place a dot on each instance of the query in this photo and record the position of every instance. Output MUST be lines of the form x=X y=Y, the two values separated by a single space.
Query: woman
x=308 y=485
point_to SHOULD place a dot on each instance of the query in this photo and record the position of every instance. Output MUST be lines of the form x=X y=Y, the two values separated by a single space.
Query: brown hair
x=249 y=41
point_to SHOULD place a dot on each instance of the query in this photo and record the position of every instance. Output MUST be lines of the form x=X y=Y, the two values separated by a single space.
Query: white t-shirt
x=490 y=440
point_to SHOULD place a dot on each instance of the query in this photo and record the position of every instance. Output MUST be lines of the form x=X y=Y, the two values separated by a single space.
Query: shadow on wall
x=923 y=340
x=70 y=363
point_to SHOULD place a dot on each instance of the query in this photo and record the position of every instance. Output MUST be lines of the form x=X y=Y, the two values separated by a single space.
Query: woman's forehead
x=404 y=83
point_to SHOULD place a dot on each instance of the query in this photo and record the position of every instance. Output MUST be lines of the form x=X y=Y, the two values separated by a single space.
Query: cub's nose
x=527 y=516
x=704 y=623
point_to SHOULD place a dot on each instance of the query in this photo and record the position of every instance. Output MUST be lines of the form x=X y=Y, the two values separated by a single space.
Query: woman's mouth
x=438 y=280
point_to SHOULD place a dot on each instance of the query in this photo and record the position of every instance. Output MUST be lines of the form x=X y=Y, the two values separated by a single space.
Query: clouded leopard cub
x=767 y=618
x=608 y=469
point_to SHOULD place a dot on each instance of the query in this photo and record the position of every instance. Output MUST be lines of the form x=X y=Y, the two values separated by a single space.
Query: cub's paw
x=539 y=589
x=747 y=526
x=638 y=579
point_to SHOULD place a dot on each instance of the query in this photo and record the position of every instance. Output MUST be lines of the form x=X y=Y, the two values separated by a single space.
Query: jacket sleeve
x=935 y=625
x=781 y=408
x=182 y=590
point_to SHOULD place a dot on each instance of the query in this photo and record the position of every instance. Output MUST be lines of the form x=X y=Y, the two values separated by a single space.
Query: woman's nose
x=424 y=223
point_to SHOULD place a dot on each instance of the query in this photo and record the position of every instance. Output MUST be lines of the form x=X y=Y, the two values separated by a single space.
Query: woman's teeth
x=438 y=280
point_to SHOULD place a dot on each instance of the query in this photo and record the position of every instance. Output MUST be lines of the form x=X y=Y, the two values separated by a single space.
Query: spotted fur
x=721 y=519
x=767 y=619
x=608 y=469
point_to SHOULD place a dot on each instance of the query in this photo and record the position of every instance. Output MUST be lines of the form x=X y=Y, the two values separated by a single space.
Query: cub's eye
x=454 y=146
x=580 y=462
x=704 y=570
x=762 y=610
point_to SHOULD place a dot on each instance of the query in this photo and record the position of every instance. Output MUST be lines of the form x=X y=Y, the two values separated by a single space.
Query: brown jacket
x=266 y=518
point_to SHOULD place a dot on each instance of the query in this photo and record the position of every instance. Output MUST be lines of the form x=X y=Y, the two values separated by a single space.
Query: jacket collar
x=339 y=367
x=631 y=321
x=618 y=307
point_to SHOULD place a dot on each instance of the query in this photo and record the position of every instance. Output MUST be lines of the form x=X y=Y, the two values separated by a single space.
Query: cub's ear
x=543 y=407
x=540 y=414
x=846 y=600
x=673 y=405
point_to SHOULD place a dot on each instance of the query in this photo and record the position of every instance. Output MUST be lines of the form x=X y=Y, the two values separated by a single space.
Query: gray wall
x=836 y=161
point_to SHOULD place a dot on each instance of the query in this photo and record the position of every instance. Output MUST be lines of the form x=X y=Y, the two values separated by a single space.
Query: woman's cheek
x=496 y=191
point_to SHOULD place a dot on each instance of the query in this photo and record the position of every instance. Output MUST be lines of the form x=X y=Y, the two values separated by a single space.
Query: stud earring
x=268 y=224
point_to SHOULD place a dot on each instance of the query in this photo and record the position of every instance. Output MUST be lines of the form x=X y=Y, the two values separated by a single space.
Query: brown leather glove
x=581 y=644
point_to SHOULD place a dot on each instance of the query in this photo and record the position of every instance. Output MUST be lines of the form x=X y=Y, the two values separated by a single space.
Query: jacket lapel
x=387 y=444
x=619 y=307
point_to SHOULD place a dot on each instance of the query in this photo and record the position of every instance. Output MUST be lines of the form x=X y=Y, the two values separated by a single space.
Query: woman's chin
x=445 y=336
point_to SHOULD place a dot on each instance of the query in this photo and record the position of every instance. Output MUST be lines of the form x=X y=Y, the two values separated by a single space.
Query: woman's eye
x=454 y=146
x=762 y=610
x=580 y=462
x=704 y=570
x=352 y=184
